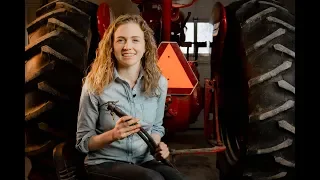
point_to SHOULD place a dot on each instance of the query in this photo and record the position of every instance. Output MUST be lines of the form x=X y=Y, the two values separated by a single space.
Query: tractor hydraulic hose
x=142 y=133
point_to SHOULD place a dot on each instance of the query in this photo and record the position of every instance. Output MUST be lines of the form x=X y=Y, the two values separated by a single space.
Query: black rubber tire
x=62 y=43
x=270 y=138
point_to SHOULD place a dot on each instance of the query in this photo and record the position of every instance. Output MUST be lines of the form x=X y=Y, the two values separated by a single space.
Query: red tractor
x=250 y=92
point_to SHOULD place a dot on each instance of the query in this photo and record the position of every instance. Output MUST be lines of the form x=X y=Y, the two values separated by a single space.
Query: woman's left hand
x=162 y=151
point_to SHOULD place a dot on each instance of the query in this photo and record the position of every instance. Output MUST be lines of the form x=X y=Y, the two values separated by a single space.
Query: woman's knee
x=151 y=175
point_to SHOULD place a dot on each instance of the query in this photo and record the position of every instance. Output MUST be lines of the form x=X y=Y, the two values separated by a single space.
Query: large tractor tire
x=265 y=150
x=62 y=43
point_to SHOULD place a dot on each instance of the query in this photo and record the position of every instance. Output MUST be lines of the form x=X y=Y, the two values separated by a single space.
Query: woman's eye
x=135 y=40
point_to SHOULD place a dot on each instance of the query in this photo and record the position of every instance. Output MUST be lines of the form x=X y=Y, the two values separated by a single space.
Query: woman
x=125 y=70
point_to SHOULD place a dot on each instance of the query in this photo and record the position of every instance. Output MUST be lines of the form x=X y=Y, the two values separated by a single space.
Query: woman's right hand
x=124 y=127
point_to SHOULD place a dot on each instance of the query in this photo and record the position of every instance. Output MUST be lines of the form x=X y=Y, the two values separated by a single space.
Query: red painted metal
x=182 y=111
x=178 y=114
x=166 y=19
x=217 y=50
x=222 y=29
x=104 y=18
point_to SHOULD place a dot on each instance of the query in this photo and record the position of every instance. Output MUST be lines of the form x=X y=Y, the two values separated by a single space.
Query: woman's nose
x=127 y=45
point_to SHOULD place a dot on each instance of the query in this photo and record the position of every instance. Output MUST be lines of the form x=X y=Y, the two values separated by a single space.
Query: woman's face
x=129 y=45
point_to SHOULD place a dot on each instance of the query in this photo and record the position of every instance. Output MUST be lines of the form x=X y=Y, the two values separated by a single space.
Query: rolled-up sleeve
x=87 y=117
x=158 y=124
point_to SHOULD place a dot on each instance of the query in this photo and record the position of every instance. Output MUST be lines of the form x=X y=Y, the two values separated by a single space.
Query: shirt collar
x=116 y=74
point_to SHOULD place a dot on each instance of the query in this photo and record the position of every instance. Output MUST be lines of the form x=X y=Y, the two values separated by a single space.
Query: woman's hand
x=124 y=127
x=162 y=151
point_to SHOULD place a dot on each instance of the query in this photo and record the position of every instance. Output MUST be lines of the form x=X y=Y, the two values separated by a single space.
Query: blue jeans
x=151 y=170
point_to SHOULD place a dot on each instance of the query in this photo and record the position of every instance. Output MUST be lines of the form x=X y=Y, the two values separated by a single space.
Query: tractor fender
x=105 y=17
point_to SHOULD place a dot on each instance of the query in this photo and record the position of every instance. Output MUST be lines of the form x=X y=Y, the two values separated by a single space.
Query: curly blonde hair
x=102 y=68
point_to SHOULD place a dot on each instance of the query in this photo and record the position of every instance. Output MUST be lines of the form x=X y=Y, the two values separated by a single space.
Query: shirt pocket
x=149 y=111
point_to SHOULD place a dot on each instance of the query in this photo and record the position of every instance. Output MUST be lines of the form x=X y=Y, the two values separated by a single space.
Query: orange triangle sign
x=174 y=66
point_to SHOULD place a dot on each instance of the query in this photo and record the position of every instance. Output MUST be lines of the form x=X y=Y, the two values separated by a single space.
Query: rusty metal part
x=207 y=102
x=216 y=117
x=211 y=129
x=214 y=149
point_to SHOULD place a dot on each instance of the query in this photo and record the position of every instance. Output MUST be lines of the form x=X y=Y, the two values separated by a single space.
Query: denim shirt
x=94 y=120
